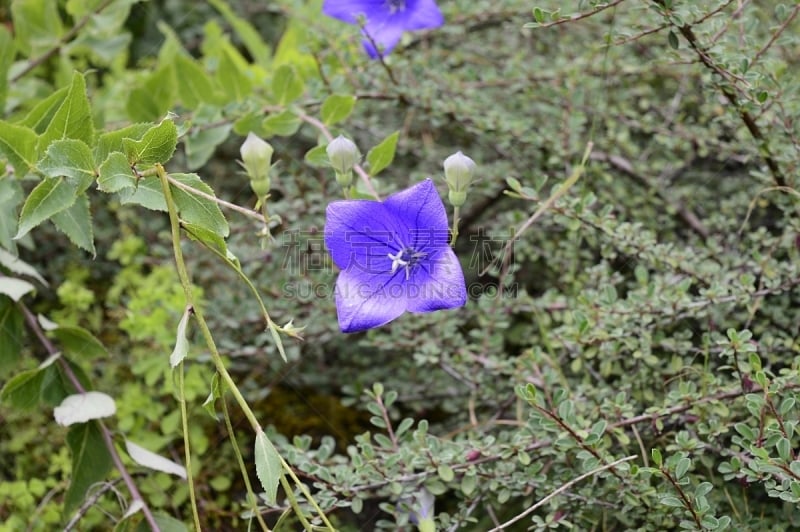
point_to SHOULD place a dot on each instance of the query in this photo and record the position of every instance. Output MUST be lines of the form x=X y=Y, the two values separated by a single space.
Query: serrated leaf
x=7 y=53
x=382 y=155
x=181 y=350
x=43 y=112
x=282 y=124
x=91 y=462
x=156 y=146
x=23 y=389
x=18 y=145
x=337 y=107
x=49 y=197
x=73 y=119
x=147 y=193
x=11 y=323
x=287 y=86
x=79 y=342
x=69 y=158
x=83 y=407
x=115 y=173
x=11 y=196
x=76 y=222
x=268 y=466
x=15 y=288
x=194 y=84
x=111 y=142
x=196 y=209
x=151 y=460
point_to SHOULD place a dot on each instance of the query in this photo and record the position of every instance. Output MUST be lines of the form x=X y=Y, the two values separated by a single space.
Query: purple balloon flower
x=394 y=257
x=386 y=20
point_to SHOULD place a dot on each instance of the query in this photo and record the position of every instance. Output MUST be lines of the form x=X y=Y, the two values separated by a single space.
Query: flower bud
x=256 y=158
x=343 y=154
x=458 y=170
x=457 y=198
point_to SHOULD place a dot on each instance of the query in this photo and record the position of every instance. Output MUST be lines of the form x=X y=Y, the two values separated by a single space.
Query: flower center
x=396 y=5
x=406 y=258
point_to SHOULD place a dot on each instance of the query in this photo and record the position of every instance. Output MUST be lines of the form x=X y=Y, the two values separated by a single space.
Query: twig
x=686 y=502
x=36 y=61
x=33 y=323
x=560 y=490
x=580 y=16
x=232 y=206
x=777 y=34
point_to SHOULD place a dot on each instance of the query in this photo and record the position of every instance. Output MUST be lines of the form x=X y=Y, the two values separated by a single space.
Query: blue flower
x=393 y=256
x=386 y=20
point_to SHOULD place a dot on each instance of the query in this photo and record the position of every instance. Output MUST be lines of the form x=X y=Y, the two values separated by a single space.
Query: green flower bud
x=256 y=158
x=343 y=154
x=457 y=198
x=458 y=170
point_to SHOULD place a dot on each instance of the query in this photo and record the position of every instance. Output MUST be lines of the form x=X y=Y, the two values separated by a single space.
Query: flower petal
x=438 y=283
x=364 y=301
x=422 y=211
x=349 y=10
x=422 y=14
x=386 y=34
x=360 y=234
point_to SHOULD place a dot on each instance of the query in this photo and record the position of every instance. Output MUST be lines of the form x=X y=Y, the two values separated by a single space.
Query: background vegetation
x=627 y=361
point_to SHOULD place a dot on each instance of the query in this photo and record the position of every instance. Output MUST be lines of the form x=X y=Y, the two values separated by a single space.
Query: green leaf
x=15 y=288
x=11 y=197
x=79 y=342
x=282 y=124
x=112 y=141
x=11 y=323
x=287 y=86
x=206 y=237
x=181 y=350
x=22 y=390
x=445 y=473
x=317 y=156
x=73 y=119
x=669 y=500
x=682 y=467
x=194 y=84
x=382 y=155
x=147 y=193
x=18 y=145
x=116 y=173
x=246 y=32
x=337 y=107
x=156 y=146
x=7 y=52
x=268 y=466
x=232 y=74
x=276 y=337
x=784 y=447
x=50 y=197
x=37 y=25
x=43 y=112
x=201 y=145
x=656 y=455
x=672 y=38
x=91 y=462
x=16 y=265
x=197 y=209
x=153 y=98
x=213 y=395
x=165 y=524
x=70 y=158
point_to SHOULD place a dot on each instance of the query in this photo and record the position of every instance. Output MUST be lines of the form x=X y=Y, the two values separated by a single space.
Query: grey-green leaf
x=268 y=466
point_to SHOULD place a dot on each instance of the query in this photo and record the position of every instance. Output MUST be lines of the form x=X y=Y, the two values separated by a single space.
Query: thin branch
x=33 y=323
x=36 y=61
x=777 y=34
x=232 y=206
x=560 y=490
x=580 y=16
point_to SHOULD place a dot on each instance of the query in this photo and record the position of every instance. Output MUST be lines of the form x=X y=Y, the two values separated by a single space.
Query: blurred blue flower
x=394 y=257
x=386 y=20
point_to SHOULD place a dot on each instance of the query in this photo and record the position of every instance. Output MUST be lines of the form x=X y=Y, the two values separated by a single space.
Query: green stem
x=251 y=496
x=293 y=502
x=187 y=446
x=456 y=219
x=208 y=337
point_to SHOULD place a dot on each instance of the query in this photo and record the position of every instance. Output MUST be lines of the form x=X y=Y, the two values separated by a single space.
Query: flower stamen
x=406 y=258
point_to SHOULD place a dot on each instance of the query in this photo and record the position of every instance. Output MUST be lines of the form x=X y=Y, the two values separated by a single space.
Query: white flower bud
x=343 y=154
x=458 y=170
x=256 y=157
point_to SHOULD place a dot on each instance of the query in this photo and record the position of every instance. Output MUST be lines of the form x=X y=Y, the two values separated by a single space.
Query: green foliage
x=628 y=358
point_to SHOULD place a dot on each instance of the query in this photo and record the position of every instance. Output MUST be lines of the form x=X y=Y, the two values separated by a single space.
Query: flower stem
x=456 y=219
x=187 y=446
